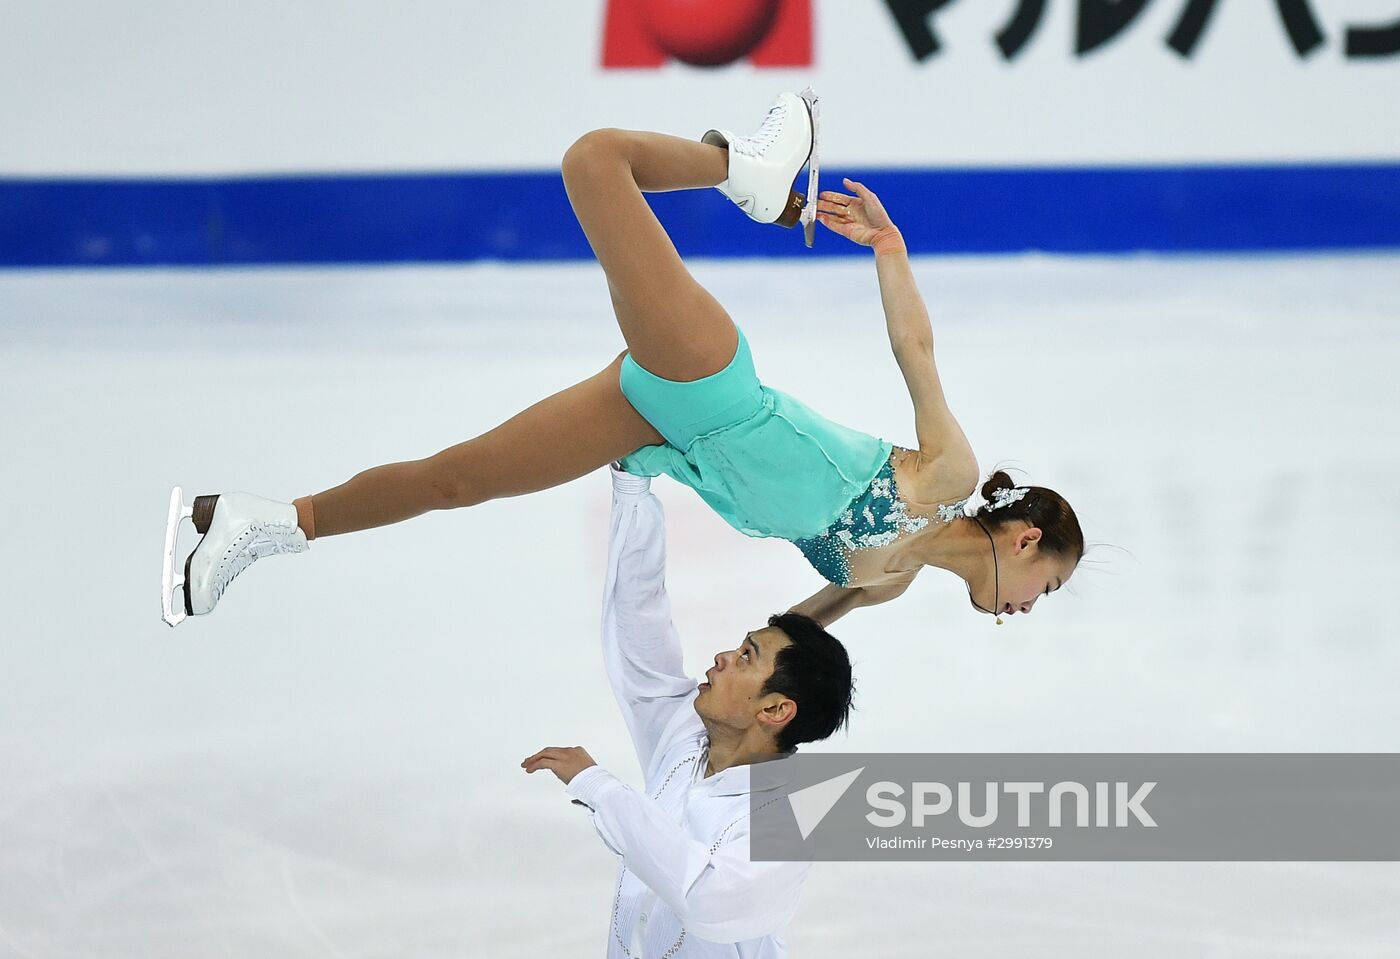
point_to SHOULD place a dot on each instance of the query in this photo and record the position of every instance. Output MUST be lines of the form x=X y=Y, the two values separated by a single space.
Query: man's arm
x=719 y=895
x=641 y=649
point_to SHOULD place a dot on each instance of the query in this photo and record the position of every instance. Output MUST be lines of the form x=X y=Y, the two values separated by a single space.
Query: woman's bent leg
x=557 y=440
x=674 y=328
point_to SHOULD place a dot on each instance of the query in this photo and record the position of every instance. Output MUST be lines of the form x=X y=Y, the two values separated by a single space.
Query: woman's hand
x=861 y=218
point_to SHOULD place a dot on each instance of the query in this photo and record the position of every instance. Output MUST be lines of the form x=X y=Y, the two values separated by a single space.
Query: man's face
x=733 y=694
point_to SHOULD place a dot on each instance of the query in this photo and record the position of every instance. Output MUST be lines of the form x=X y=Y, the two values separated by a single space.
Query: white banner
x=173 y=87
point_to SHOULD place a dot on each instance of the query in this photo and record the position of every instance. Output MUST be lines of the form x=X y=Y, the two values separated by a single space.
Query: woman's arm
x=862 y=219
x=832 y=602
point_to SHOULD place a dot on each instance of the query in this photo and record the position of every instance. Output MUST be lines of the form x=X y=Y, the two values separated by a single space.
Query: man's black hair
x=814 y=671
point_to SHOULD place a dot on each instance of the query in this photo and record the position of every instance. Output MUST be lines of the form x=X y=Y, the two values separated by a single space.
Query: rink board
x=526 y=215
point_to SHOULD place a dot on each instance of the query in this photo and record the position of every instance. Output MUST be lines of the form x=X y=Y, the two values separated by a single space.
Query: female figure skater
x=684 y=400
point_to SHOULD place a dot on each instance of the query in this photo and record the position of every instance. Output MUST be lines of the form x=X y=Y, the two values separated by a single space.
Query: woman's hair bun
x=998 y=480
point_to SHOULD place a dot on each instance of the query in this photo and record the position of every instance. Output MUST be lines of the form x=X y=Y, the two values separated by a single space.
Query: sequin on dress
x=876 y=518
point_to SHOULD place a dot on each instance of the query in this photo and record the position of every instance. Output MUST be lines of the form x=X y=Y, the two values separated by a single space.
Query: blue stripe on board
x=525 y=216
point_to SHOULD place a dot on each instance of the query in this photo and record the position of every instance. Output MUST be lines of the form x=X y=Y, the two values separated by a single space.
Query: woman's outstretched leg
x=673 y=326
x=557 y=440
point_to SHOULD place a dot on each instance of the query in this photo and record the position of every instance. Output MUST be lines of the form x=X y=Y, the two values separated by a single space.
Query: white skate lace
x=255 y=542
x=757 y=142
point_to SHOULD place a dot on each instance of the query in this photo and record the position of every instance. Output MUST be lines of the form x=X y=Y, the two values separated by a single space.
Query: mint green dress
x=767 y=463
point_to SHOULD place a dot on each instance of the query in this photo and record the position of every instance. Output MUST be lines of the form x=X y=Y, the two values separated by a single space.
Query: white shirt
x=686 y=887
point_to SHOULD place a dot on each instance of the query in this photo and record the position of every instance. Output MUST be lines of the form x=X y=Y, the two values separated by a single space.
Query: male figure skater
x=687 y=886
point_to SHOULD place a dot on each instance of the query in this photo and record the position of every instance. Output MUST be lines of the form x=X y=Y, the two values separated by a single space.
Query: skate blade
x=172 y=578
x=809 y=211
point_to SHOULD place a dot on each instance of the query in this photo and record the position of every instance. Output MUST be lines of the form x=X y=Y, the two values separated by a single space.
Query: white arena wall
x=166 y=94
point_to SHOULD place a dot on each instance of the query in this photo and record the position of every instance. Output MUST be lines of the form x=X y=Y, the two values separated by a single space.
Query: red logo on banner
x=708 y=33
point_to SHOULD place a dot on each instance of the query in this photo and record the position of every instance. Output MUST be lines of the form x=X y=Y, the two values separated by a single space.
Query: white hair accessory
x=1006 y=496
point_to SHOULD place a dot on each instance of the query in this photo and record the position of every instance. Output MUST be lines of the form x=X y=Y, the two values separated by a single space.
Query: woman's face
x=1024 y=573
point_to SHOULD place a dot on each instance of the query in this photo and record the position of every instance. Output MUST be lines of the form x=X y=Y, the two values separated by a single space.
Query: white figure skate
x=763 y=165
x=238 y=529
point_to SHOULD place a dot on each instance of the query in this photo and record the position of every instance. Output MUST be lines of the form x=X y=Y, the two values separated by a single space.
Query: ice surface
x=328 y=766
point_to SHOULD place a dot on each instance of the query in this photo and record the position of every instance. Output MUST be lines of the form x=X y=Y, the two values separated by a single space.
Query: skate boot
x=763 y=165
x=239 y=529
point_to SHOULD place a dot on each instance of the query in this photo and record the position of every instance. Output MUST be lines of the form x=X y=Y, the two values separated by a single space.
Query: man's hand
x=861 y=218
x=566 y=762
